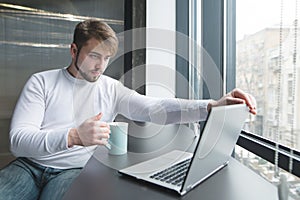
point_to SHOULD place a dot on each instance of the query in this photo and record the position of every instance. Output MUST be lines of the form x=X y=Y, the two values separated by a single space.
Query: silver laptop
x=182 y=171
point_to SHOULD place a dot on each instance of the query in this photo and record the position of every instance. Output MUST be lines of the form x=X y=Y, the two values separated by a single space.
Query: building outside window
x=267 y=66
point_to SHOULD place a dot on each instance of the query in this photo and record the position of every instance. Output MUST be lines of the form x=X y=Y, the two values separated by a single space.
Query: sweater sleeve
x=27 y=138
x=159 y=110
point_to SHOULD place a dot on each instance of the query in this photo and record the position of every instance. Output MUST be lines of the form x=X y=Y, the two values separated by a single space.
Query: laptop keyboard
x=174 y=174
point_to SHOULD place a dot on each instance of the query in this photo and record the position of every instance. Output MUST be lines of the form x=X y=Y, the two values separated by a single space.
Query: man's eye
x=94 y=56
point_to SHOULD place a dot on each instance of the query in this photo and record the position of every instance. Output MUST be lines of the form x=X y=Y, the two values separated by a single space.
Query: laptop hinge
x=189 y=188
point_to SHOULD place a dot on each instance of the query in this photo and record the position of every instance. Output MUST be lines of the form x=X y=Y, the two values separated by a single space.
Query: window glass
x=267 y=65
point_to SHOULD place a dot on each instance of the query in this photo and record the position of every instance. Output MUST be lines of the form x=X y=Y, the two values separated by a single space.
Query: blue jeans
x=24 y=179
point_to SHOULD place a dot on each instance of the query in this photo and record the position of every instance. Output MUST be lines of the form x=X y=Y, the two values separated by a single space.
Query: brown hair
x=97 y=29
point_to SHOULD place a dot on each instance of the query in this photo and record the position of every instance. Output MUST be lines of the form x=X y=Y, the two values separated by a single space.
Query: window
x=254 y=45
x=271 y=80
x=267 y=66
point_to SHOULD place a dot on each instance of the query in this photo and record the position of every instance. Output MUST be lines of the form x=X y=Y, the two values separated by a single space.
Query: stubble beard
x=87 y=77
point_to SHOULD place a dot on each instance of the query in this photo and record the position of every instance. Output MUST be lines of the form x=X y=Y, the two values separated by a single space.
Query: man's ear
x=73 y=50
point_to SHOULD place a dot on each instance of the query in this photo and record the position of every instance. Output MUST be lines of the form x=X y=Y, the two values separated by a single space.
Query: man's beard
x=87 y=77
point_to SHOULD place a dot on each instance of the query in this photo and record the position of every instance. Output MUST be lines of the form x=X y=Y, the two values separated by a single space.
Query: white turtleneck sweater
x=53 y=101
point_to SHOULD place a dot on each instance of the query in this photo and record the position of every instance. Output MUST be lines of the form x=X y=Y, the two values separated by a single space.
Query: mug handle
x=108 y=146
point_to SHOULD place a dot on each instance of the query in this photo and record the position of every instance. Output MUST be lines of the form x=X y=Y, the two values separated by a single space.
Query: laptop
x=181 y=171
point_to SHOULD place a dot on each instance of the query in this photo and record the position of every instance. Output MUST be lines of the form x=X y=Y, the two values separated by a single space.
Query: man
x=52 y=132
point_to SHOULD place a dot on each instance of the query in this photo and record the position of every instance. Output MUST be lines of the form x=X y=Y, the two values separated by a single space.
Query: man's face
x=92 y=60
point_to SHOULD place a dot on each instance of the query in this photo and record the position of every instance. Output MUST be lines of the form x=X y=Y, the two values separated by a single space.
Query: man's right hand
x=91 y=132
x=236 y=96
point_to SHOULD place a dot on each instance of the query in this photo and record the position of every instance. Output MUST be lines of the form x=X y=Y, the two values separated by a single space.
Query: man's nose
x=100 y=63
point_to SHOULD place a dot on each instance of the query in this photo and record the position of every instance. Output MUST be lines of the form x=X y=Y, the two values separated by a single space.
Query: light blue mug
x=117 y=142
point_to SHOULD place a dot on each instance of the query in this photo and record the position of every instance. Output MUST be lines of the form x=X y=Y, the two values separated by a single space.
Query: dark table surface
x=99 y=179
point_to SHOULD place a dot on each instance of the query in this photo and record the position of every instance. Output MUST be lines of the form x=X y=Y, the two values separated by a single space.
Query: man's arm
x=159 y=110
x=26 y=137
x=173 y=110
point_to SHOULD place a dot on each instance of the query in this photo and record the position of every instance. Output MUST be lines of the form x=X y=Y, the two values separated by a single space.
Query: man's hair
x=97 y=29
